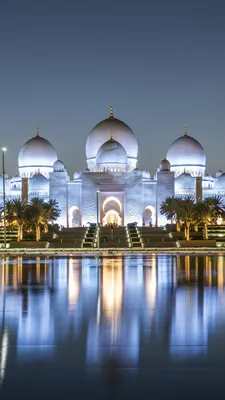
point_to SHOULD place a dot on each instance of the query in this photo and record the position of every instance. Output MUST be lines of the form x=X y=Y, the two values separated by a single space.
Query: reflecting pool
x=149 y=326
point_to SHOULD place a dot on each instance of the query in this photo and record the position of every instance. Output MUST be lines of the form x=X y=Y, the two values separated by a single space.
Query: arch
x=112 y=217
x=149 y=216
x=74 y=216
x=111 y=198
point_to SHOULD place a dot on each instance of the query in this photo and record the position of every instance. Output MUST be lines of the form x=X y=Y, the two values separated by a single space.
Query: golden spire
x=111 y=112
x=37 y=132
x=111 y=136
x=185 y=130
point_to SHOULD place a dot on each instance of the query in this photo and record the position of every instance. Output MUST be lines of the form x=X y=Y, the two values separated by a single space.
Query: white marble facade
x=112 y=182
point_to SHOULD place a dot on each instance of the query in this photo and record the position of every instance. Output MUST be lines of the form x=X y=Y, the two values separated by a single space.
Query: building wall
x=89 y=203
x=165 y=188
x=133 y=198
x=58 y=191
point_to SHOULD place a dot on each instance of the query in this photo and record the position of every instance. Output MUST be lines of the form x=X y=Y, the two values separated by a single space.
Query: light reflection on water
x=136 y=313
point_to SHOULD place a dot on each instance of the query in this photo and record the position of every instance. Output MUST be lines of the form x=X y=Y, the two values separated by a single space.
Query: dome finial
x=111 y=112
x=185 y=130
x=111 y=136
x=37 y=131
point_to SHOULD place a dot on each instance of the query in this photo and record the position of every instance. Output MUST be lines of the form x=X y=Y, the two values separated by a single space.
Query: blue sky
x=159 y=63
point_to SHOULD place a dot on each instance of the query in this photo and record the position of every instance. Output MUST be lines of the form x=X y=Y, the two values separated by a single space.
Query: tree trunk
x=187 y=230
x=18 y=233
x=38 y=232
x=206 y=231
x=21 y=232
x=178 y=227
x=196 y=227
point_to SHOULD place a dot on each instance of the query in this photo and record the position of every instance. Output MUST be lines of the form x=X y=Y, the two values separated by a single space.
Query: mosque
x=112 y=189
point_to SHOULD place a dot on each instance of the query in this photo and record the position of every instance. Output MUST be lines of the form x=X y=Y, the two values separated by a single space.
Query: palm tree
x=188 y=214
x=217 y=204
x=205 y=215
x=52 y=210
x=37 y=215
x=19 y=213
x=170 y=207
x=9 y=212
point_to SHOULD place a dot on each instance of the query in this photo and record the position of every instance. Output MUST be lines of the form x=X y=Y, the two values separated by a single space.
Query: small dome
x=111 y=155
x=77 y=175
x=185 y=182
x=220 y=182
x=38 y=183
x=36 y=155
x=145 y=174
x=219 y=173
x=58 y=166
x=122 y=133
x=87 y=170
x=164 y=165
x=186 y=153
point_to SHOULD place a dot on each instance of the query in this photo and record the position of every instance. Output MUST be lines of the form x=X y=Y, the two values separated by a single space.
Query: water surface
x=133 y=327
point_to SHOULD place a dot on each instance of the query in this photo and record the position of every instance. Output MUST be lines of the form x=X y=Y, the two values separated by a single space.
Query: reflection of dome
x=164 y=165
x=111 y=155
x=184 y=182
x=36 y=155
x=58 y=166
x=186 y=153
x=38 y=183
x=121 y=133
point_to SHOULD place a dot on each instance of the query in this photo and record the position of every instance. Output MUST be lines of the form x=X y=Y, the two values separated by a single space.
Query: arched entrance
x=112 y=217
x=149 y=217
x=112 y=211
x=74 y=216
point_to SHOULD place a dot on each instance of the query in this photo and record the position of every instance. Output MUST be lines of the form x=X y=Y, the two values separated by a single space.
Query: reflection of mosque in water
x=132 y=307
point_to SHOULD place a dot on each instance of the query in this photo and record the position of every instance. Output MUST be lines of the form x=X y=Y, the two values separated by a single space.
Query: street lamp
x=97 y=204
x=3 y=175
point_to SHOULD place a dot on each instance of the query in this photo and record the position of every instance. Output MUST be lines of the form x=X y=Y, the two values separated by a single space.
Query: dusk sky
x=161 y=64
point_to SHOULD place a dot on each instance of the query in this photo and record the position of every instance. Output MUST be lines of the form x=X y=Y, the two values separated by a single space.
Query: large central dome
x=36 y=156
x=121 y=133
x=186 y=154
x=111 y=156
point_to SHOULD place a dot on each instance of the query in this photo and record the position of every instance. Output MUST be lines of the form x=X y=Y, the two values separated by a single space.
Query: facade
x=112 y=189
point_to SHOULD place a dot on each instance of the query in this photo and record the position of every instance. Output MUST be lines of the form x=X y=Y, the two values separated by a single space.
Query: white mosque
x=112 y=189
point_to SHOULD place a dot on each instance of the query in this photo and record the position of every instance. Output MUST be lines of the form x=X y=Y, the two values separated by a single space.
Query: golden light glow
x=112 y=291
x=73 y=282
x=220 y=279
x=187 y=267
x=38 y=269
x=151 y=282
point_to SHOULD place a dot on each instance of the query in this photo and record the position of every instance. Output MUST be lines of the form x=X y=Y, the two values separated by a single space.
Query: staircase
x=134 y=235
x=10 y=236
x=91 y=236
x=156 y=237
x=115 y=237
x=217 y=232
